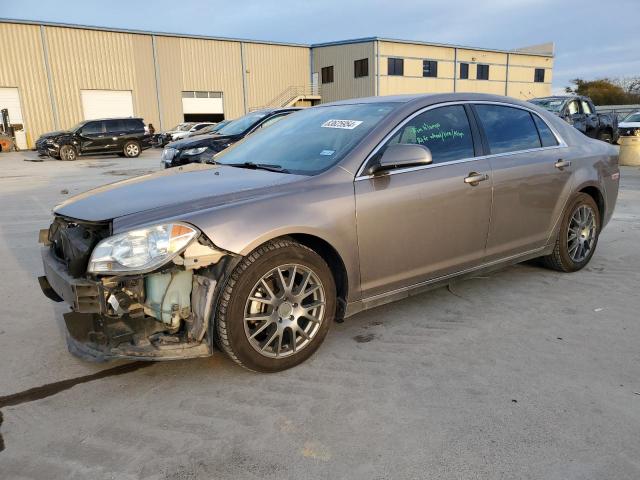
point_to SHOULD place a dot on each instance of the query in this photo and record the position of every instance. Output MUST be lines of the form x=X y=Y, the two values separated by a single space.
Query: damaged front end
x=147 y=294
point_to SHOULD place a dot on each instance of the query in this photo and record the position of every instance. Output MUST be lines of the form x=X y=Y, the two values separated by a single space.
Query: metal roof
x=266 y=42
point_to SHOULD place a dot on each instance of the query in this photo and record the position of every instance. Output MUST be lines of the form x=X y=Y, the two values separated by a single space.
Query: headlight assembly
x=194 y=151
x=141 y=250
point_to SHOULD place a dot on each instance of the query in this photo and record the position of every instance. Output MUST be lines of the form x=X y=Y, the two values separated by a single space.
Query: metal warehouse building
x=53 y=75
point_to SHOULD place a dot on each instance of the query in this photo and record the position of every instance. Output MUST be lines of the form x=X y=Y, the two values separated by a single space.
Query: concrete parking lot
x=524 y=373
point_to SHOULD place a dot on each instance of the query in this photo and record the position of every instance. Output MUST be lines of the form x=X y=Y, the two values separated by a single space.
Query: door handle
x=475 y=178
x=560 y=164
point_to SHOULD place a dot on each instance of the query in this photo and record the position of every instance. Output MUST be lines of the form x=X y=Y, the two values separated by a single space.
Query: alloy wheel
x=132 y=150
x=581 y=234
x=284 y=311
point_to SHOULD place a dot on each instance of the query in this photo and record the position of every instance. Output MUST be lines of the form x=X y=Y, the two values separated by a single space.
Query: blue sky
x=594 y=39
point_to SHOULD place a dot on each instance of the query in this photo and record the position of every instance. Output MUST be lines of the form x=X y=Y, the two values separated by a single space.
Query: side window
x=586 y=108
x=115 y=125
x=508 y=129
x=92 y=128
x=133 y=125
x=573 y=107
x=271 y=121
x=547 y=137
x=444 y=130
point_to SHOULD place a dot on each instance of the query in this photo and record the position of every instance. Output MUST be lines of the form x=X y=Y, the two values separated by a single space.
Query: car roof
x=111 y=118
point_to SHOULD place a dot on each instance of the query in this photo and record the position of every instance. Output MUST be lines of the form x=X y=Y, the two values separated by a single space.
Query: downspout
x=47 y=66
x=244 y=77
x=506 y=82
x=156 y=72
x=377 y=86
x=455 y=70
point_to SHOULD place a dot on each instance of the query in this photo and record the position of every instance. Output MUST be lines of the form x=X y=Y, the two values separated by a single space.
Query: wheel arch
x=594 y=192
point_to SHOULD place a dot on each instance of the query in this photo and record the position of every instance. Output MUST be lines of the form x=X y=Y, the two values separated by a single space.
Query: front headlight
x=194 y=151
x=141 y=250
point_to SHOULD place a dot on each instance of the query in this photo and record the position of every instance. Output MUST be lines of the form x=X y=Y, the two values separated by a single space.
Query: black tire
x=561 y=259
x=605 y=137
x=131 y=149
x=68 y=153
x=230 y=315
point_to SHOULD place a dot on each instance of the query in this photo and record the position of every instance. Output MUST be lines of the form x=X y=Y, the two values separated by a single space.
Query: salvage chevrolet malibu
x=335 y=209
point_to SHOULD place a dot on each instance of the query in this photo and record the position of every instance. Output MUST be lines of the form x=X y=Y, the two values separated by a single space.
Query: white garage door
x=202 y=102
x=10 y=99
x=106 y=103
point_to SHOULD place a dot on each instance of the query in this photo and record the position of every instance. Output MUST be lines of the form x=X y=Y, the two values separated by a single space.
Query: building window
x=483 y=72
x=538 y=77
x=464 y=71
x=361 y=68
x=395 y=66
x=327 y=74
x=429 y=68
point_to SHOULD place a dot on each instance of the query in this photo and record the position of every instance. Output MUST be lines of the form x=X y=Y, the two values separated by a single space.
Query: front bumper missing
x=95 y=335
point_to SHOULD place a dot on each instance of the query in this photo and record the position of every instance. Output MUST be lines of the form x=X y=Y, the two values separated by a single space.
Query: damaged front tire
x=276 y=308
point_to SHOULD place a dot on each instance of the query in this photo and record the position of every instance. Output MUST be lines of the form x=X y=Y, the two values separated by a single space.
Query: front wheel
x=276 y=308
x=68 y=153
x=578 y=235
x=131 y=149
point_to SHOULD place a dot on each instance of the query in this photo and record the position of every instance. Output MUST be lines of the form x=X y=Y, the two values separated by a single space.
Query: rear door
x=416 y=224
x=590 y=118
x=116 y=133
x=530 y=178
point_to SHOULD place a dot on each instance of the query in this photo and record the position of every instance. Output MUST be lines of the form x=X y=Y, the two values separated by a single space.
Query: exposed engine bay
x=161 y=314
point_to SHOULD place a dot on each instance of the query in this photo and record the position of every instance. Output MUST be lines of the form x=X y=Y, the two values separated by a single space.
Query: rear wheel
x=131 y=149
x=578 y=235
x=68 y=153
x=276 y=308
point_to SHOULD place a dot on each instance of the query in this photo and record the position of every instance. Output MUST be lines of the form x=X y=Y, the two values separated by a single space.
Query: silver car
x=333 y=210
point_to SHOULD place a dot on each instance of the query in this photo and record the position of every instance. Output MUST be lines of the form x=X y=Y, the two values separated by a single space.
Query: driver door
x=417 y=224
x=92 y=137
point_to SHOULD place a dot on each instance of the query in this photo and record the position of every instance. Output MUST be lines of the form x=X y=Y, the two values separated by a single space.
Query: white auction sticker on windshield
x=344 y=124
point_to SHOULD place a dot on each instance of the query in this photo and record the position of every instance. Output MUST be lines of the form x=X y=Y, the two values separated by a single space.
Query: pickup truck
x=580 y=112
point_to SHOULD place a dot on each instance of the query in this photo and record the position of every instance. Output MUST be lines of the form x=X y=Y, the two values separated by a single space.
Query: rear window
x=115 y=125
x=134 y=125
x=547 y=137
x=508 y=129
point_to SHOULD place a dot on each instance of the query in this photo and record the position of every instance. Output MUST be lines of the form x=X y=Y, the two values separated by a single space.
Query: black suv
x=202 y=148
x=125 y=136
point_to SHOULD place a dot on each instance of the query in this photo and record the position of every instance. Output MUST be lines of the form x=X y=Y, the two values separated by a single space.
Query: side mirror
x=402 y=155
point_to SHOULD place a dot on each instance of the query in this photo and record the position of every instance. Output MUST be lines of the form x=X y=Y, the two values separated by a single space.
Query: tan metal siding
x=22 y=66
x=344 y=84
x=271 y=69
x=100 y=60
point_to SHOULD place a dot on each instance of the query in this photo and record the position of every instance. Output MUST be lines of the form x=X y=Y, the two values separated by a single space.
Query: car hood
x=200 y=141
x=189 y=188
x=629 y=125
x=55 y=134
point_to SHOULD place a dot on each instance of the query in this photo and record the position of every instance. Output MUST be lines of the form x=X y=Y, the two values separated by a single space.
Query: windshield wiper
x=258 y=166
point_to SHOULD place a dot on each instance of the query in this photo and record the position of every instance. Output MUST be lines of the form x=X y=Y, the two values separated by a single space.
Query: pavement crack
x=50 y=389
x=1 y=439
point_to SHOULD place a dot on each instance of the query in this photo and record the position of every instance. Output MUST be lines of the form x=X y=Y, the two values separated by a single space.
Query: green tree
x=602 y=91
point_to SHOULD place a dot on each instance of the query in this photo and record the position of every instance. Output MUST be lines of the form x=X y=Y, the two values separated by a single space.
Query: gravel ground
x=525 y=373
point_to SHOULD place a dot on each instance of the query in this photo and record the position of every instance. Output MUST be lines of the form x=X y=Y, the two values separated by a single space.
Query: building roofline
x=431 y=44
x=264 y=42
x=147 y=32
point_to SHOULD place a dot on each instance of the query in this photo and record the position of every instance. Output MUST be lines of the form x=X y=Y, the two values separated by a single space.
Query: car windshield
x=309 y=141
x=181 y=127
x=236 y=127
x=634 y=117
x=551 y=104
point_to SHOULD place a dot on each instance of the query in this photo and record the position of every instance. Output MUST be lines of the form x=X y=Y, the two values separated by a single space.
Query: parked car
x=630 y=126
x=213 y=128
x=195 y=128
x=161 y=139
x=580 y=112
x=124 y=136
x=201 y=149
x=336 y=209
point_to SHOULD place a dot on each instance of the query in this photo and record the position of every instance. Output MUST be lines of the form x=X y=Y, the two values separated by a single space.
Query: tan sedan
x=333 y=210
